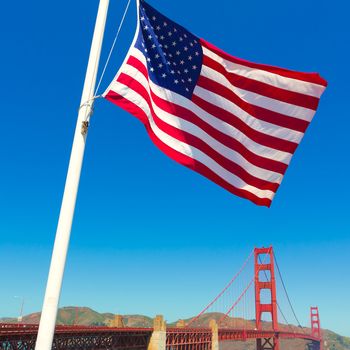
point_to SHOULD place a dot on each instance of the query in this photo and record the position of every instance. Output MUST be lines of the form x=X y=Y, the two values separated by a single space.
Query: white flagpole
x=59 y=254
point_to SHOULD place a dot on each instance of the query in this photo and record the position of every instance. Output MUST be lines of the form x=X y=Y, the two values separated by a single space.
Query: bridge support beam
x=158 y=338
x=215 y=335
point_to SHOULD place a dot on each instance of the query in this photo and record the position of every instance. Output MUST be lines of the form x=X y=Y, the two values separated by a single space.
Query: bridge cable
x=285 y=290
x=278 y=306
x=243 y=293
x=223 y=291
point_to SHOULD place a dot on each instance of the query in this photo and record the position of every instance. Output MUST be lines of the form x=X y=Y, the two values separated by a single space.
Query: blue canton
x=173 y=54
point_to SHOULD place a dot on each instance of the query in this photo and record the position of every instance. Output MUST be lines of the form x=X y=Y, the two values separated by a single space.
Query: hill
x=85 y=316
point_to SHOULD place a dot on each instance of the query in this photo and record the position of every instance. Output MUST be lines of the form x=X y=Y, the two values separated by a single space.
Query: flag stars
x=173 y=58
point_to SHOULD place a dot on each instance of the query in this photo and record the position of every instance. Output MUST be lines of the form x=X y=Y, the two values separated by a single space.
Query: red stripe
x=231 y=119
x=230 y=142
x=179 y=157
x=263 y=89
x=194 y=141
x=314 y=78
x=262 y=139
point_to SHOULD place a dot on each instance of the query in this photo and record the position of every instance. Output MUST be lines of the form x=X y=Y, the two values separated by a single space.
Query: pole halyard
x=59 y=254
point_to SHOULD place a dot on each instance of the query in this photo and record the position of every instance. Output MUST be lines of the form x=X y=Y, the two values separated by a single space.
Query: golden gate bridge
x=239 y=322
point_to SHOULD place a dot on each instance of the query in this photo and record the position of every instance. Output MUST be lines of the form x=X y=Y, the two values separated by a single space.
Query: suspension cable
x=223 y=291
x=285 y=290
x=278 y=306
x=240 y=297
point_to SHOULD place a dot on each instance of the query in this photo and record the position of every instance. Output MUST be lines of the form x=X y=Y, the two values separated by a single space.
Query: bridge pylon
x=265 y=265
x=315 y=324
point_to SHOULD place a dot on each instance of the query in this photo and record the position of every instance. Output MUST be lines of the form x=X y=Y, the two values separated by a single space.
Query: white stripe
x=193 y=129
x=273 y=79
x=186 y=149
x=253 y=98
x=216 y=123
x=260 y=126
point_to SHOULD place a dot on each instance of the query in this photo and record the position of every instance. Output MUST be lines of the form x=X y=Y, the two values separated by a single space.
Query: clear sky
x=149 y=235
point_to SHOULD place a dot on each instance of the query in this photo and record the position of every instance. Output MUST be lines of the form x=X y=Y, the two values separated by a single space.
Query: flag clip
x=84 y=127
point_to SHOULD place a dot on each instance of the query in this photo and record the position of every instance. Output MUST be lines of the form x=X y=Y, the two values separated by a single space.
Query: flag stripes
x=240 y=127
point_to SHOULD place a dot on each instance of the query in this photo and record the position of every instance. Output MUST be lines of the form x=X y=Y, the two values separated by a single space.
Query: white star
x=175 y=30
x=181 y=38
x=170 y=55
x=186 y=70
x=187 y=89
x=162 y=37
x=185 y=48
x=148 y=59
x=158 y=27
x=146 y=50
x=170 y=33
x=154 y=18
x=165 y=24
x=196 y=53
x=153 y=46
x=182 y=62
x=168 y=63
x=189 y=79
x=185 y=35
x=194 y=67
x=176 y=81
x=165 y=46
x=182 y=80
x=160 y=65
x=190 y=58
x=172 y=71
x=142 y=18
x=156 y=56
x=178 y=72
x=163 y=75
x=151 y=69
x=178 y=53
x=145 y=27
x=174 y=43
x=191 y=44
x=150 y=37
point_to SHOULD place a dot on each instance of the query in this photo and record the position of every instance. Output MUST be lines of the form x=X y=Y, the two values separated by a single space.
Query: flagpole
x=59 y=254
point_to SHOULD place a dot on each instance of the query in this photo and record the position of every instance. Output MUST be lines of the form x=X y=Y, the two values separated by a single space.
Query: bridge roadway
x=23 y=336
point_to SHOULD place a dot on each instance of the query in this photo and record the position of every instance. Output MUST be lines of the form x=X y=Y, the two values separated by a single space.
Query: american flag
x=236 y=122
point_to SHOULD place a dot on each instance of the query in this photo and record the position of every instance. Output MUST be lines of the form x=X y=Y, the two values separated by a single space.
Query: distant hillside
x=85 y=316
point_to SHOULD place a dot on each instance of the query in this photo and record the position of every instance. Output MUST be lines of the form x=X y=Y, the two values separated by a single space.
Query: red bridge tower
x=265 y=265
x=315 y=324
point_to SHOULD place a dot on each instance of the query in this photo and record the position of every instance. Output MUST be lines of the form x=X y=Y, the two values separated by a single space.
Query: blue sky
x=149 y=235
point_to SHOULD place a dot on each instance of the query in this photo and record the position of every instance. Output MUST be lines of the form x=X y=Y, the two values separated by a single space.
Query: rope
x=112 y=48
x=285 y=290
x=223 y=291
